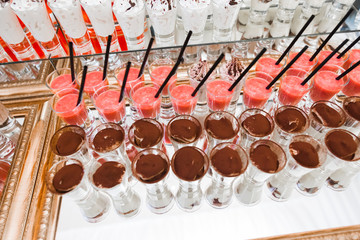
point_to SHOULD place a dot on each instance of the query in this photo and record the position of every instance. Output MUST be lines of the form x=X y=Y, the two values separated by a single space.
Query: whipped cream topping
x=128 y=6
x=194 y=3
x=161 y=6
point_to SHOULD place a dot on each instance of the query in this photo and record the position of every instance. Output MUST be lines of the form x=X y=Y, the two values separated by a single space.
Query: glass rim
x=232 y=92
x=145 y=84
x=67 y=128
x=224 y=113
x=171 y=87
x=103 y=126
x=204 y=155
x=151 y=120
x=123 y=66
x=303 y=113
x=355 y=138
x=309 y=83
x=332 y=105
x=222 y=146
x=265 y=114
x=55 y=99
x=155 y=62
x=188 y=117
x=348 y=100
x=48 y=77
x=90 y=69
x=114 y=88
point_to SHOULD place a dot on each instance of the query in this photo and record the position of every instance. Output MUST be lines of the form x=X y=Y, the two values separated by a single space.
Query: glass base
x=222 y=35
x=165 y=40
x=279 y=194
x=102 y=200
x=136 y=43
x=161 y=209
x=334 y=185
x=196 y=37
x=307 y=191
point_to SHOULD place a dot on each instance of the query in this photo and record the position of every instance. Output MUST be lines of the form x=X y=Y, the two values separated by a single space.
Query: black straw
x=348 y=70
x=331 y=34
x=127 y=70
x=295 y=39
x=142 y=68
x=82 y=85
x=172 y=72
x=324 y=62
x=349 y=47
x=108 y=45
x=72 y=66
x=286 y=67
x=213 y=67
x=247 y=69
x=182 y=50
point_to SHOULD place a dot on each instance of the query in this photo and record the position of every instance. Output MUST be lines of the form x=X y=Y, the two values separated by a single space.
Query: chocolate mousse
x=69 y=143
x=227 y=162
x=221 y=128
x=326 y=115
x=150 y=168
x=184 y=130
x=291 y=120
x=352 y=107
x=189 y=164
x=257 y=125
x=233 y=68
x=67 y=178
x=264 y=158
x=108 y=139
x=198 y=71
x=109 y=174
x=342 y=144
x=305 y=154
x=145 y=134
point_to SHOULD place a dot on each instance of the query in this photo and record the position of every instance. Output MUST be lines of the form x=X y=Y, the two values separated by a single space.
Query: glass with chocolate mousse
x=255 y=124
x=184 y=130
x=196 y=73
x=266 y=159
x=351 y=106
x=146 y=133
x=304 y=154
x=70 y=142
x=343 y=150
x=289 y=121
x=227 y=161
x=67 y=178
x=189 y=164
x=324 y=116
x=151 y=167
x=109 y=174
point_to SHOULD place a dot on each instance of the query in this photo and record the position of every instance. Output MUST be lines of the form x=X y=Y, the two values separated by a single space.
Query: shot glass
x=266 y=159
x=181 y=99
x=65 y=106
x=324 y=116
x=267 y=63
x=221 y=127
x=60 y=79
x=343 y=150
x=227 y=161
x=133 y=77
x=109 y=174
x=353 y=87
x=219 y=98
x=68 y=178
x=341 y=179
x=196 y=73
x=106 y=101
x=159 y=69
x=184 y=130
x=224 y=17
x=189 y=164
x=132 y=22
x=70 y=142
x=334 y=61
x=255 y=124
x=303 y=61
x=255 y=94
x=163 y=21
x=94 y=80
x=146 y=133
x=151 y=167
x=304 y=155
x=194 y=15
x=289 y=121
x=144 y=101
x=351 y=106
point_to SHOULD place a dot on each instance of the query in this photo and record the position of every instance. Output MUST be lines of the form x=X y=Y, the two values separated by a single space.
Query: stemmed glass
x=351 y=106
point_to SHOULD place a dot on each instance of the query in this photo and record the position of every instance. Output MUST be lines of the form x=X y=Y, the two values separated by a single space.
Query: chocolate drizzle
x=132 y=4
x=67 y=178
x=341 y=144
x=109 y=174
x=232 y=2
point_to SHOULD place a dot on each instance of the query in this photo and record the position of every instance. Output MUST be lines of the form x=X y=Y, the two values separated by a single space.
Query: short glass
x=311 y=183
x=248 y=189
x=137 y=137
x=341 y=179
x=196 y=73
x=351 y=106
x=93 y=80
x=60 y=79
x=281 y=185
x=143 y=99
x=266 y=63
x=68 y=178
x=189 y=164
x=221 y=127
x=218 y=96
x=184 y=130
x=109 y=174
x=303 y=61
x=181 y=99
x=219 y=193
x=298 y=123
x=106 y=101
x=133 y=77
x=159 y=69
x=255 y=94
x=353 y=87
x=247 y=135
x=70 y=142
x=159 y=198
